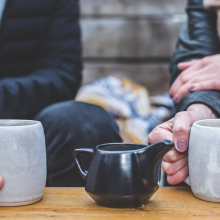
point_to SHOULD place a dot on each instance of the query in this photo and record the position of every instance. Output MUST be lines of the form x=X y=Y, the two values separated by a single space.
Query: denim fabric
x=69 y=125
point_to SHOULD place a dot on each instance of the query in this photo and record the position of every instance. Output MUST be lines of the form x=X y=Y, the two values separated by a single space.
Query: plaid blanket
x=136 y=112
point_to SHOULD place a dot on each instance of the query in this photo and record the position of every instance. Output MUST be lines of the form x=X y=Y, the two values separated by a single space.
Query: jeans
x=69 y=125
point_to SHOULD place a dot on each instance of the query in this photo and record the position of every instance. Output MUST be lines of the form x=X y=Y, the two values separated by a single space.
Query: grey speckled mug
x=204 y=160
x=22 y=162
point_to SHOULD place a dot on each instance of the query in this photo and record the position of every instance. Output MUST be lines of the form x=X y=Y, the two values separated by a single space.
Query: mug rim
x=205 y=126
x=120 y=151
x=8 y=123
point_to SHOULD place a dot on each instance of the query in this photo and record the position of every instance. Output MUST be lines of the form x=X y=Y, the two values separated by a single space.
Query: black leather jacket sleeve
x=198 y=38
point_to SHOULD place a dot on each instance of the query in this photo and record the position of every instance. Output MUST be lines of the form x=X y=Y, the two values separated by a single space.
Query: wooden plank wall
x=131 y=38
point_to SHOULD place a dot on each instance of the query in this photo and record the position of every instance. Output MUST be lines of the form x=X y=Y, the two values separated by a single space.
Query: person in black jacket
x=40 y=73
x=195 y=80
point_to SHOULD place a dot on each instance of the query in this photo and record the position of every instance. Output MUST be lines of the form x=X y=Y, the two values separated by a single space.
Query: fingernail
x=187 y=167
x=182 y=145
x=175 y=98
x=191 y=87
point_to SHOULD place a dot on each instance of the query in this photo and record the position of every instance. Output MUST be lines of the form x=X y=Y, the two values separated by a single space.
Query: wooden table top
x=73 y=203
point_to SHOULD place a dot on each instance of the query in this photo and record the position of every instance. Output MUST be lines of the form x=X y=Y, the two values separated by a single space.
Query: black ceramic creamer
x=123 y=175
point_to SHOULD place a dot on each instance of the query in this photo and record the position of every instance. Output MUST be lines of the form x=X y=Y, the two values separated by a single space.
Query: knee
x=55 y=115
x=79 y=118
x=99 y=120
x=101 y=127
x=93 y=120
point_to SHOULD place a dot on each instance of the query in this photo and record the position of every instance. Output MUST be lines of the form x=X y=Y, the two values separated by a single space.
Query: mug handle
x=77 y=156
x=187 y=181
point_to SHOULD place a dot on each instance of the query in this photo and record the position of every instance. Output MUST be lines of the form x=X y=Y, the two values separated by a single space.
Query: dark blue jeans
x=69 y=125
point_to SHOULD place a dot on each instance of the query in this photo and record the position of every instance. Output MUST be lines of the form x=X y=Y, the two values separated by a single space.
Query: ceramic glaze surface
x=204 y=159
x=123 y=175
x=22 y=162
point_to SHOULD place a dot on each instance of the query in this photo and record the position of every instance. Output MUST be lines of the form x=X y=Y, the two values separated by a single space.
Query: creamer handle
x=77 y=156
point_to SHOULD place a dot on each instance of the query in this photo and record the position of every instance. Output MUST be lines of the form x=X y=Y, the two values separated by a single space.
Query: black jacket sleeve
x=56 y=72
x=198 y=38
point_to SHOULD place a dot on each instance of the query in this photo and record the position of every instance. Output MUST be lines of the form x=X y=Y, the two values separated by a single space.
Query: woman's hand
x=203 y=74
x=175 y=162
x=1 y=182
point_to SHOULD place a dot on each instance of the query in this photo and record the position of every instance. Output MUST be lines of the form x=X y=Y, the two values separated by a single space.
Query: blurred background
x=134 y=39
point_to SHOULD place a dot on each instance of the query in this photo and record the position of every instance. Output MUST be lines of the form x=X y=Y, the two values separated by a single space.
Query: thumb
x=181 y=131
x=1 y=182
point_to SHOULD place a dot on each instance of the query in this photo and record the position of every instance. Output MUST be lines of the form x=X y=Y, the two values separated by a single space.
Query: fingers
x=1 y=182
x=172 y=168
x=205 y=69
x=173 y=156
x=176 y=130
x=178 y=177
x=198 y=81
x=175 y=166
x=194 y=67
x=205 y=85
x=182 y=91
x=159 y=135
x=184 y=82
x=181 y=130
x=174 y=161
x=174 y=88
x=184 y=78
x=185 y=65
x=161 y=132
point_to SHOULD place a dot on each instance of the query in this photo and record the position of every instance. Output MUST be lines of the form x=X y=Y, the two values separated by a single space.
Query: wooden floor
x=169 y=203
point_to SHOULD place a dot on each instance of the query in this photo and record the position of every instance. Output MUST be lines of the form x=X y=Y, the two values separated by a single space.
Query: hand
x=175 y=162
x=203 y=74
x=1 y=182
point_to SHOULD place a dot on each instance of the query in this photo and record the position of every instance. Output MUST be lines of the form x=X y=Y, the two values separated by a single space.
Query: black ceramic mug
x=123 y=175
